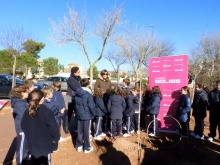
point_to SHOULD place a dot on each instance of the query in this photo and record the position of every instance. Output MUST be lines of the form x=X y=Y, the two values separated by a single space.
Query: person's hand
x=62 y=110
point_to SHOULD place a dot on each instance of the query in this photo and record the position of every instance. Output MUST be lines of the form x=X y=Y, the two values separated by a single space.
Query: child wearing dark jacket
x=153 y=108
x=19 y=104
x=128 y=113
x=182 y=111
x=49 y=103
x=136 y=100
x=116 y=106
x=85 y=112
x=40 y=129
x=200 y=105
x=100 y=112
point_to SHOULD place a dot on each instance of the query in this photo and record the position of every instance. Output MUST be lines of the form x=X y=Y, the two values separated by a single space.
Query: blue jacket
x=154 y=104
x=136 y=100
x=19 y=107
x=85 y=106
x=129 y=106
x=41 y=132
x=200 y=104
x=52 y=106
x=58 y=99
x=73 y=83
x=183 y=108
x=100 y=107
x=116 y=105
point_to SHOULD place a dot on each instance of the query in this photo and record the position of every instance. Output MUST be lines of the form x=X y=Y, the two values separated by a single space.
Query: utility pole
x=152 y=36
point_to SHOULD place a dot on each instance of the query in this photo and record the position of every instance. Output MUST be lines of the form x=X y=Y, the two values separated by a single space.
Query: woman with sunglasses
x=103 y=81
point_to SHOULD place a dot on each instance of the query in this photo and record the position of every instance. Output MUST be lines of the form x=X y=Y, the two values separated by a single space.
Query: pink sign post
x=170 y=73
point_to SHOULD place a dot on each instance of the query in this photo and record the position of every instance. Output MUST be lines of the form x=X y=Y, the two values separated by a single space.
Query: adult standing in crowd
x=73 y=83
x=200 y=104
x=214 y=117
x=103 y=81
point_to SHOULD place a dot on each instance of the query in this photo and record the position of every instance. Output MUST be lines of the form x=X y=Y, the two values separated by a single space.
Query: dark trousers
x=22 y=150
x=214 y=123
x=98 y=126
x=199 y=125
x=135 y=121
x=129 y=124
x=43 y=160
x=143 y=120
x=185 y=128
x=154 y=124
x=116 y=127
x=83 y=132
x=106 y=124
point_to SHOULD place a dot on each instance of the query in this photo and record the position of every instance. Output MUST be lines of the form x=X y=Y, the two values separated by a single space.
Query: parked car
x=5 y=87
x=6 y=83
x=49 y=81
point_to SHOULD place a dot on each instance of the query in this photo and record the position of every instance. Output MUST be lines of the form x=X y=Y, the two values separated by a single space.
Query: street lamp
x=152 y=33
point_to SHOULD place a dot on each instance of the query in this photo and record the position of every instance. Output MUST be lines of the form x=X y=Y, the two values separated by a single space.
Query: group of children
x=37 y=117
x=100 y=113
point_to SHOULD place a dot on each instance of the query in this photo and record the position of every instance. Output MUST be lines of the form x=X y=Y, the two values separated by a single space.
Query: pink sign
x=170 y=73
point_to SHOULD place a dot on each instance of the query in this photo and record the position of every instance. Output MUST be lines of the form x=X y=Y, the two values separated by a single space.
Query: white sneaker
x=126 y=135
x=199 y=137
x=102 y=134
x=151 y=134
x=98 y=138
x=88 y=151
x=132 y=131
x=79 y=149
x=192 y=134
x=61 y=139
x=210 y=139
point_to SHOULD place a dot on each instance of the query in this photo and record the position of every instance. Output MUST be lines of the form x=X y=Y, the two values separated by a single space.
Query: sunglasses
x=105 y=74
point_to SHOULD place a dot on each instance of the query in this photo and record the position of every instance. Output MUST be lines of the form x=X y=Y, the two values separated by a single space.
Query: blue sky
x=182 y=22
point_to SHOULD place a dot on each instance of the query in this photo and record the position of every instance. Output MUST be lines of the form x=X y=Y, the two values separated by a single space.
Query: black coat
x=19 y=107
x=200 y=104
x=214 y=103
x=100 y=107
x=154 y=104
x=129 y=106
x=73 y=83
x=85 y=106
x=116 y=106
x=41 y=132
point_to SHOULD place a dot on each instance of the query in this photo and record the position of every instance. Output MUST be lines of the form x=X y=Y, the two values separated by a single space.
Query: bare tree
x=136 y=47
x=12 y=39
x=205 y=60
x=116 y=60
x=73 y=29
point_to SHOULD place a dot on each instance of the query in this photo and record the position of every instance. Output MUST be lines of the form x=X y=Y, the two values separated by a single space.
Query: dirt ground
x=125 y=151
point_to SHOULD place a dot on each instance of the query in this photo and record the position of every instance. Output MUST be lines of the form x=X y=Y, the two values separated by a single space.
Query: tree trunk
x=14 y=72
x=118 y=76
x=91 y=76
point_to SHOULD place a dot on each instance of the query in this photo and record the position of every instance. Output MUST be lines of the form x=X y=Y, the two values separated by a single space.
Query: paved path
x=8 y=136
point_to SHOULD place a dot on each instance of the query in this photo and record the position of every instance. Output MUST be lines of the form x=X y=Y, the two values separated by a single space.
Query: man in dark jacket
x=214 y=117
x=200 y=104
x=85 y=112
x=73 y=83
